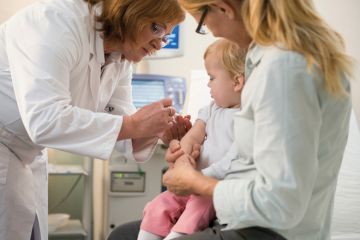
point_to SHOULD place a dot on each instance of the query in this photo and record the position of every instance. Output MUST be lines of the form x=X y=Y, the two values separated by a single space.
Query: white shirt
x=218 y=149
x=300 y=132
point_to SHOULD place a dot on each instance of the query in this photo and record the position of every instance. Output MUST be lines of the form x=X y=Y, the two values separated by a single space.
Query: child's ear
x=239 y=82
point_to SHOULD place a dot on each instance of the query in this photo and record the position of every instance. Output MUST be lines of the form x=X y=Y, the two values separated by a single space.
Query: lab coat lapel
x=96 y=60
x=94 y=78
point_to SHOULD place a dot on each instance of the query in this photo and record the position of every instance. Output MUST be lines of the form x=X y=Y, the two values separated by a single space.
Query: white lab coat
x=51 y=95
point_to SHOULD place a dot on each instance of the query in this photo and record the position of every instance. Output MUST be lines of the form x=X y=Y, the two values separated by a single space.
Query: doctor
x=65 y=83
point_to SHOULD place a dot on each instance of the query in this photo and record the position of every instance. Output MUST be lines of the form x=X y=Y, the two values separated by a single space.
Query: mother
x=65 y=83
x=297 y=96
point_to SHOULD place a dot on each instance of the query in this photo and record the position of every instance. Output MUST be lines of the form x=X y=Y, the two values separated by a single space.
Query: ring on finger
x=170 y=111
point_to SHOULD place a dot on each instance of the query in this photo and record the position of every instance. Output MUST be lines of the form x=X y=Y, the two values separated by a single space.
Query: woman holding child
x=297 y=95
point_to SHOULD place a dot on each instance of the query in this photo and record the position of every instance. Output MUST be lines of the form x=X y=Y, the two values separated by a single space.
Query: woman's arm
x=184 y=179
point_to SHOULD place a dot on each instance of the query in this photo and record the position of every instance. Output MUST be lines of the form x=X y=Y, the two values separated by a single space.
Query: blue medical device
x=175 y=48
x=148 y=88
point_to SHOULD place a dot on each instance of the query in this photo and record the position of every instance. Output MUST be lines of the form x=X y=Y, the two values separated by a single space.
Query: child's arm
x=196 y=135
x=220 y=168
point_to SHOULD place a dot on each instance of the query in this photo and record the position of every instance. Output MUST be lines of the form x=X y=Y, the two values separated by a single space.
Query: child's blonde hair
x=232 y=57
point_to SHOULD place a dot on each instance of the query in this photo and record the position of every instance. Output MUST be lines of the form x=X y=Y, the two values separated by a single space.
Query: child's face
x=222 y=85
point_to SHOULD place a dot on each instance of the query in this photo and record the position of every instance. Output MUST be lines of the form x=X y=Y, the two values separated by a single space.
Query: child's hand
x=181 y=125
x=173 y=152
x=195 y=153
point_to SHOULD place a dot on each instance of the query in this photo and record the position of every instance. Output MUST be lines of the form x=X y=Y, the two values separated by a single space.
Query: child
x=172 y=216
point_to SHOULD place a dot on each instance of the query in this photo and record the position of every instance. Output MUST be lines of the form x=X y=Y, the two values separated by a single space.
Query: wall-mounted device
x=148 y=88
x=175 y=48
x=129 y=186
x=127 y=182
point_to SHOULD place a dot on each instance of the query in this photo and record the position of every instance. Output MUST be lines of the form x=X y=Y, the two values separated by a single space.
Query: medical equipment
x=148 y=88
x=56 y=221
x=175 y=48
x=64 y=180
x=130 y=185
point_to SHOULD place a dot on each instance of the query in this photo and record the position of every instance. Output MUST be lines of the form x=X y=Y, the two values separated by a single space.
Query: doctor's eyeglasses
x=201 y=28
x=160 y=33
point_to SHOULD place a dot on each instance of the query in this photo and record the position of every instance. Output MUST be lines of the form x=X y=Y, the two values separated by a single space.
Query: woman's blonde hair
x=195 y=6
x=125 y=19
x=296 y=25
x=232 y=57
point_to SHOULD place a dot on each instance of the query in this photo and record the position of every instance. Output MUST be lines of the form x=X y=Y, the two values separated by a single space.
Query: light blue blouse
x=300 y=132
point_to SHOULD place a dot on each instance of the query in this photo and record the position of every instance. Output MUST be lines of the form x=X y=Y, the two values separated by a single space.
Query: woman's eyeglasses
x=160 y=33
x=201 y=28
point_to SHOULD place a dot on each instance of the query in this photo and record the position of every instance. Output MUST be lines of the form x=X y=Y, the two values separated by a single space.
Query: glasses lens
x=203 y=30
x=165 y=41
x=159 y=32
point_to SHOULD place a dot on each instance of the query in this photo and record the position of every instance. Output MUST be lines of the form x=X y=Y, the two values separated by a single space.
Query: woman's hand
x=174 y=152
x=179 y=178
x=181 y=125
x=149 y=121
x=184 y=179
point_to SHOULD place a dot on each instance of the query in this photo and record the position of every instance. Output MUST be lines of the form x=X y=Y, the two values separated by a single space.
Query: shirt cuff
x=125 y=148
x=145 y=154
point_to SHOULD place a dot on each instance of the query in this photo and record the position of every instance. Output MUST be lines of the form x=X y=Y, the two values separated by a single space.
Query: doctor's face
x=151 y=39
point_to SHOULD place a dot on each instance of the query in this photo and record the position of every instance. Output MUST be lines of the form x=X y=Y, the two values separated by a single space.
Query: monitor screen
x=174 y=39
x=146 y=91
x=175 y=46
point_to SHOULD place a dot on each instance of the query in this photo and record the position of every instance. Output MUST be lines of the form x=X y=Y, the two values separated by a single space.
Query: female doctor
x=65 y=83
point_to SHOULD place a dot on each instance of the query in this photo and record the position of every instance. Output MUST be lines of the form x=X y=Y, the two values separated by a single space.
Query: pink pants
x=168 y=212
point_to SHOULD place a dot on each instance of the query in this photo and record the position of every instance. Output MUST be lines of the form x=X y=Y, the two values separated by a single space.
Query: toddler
x=169 y=216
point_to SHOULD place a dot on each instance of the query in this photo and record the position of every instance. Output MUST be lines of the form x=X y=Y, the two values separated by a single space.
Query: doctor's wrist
x=128 y=129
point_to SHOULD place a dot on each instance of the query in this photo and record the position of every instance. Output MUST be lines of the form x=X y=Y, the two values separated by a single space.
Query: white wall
x=342 y=15
x=7 y=8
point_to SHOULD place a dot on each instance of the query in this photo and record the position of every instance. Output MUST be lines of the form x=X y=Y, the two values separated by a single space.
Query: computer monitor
x=175 y=47
x=148 y=88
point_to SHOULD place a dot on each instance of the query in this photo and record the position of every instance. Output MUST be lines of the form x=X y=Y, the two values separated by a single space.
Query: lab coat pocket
x=4 y=162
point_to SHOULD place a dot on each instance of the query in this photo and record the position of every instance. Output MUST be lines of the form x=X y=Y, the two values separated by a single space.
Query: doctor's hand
x=184 y=179
x=149 y=121
x=174 y=152
x=181 y=125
